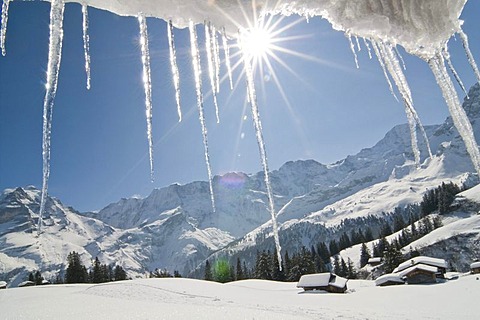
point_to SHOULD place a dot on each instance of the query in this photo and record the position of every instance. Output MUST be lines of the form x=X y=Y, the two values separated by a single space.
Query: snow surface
x=472 y=194
x=249 y=299
x=421 y=27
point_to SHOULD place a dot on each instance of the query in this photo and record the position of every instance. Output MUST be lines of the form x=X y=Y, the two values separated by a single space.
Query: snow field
x=249 y=299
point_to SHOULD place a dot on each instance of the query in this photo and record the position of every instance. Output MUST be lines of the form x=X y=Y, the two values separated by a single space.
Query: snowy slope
x=249 y=299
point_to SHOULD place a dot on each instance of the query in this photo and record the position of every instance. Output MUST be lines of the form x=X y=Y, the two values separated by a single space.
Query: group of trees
x=164 y=273
x=36 y=277
x=77 y=272
x=440 y=198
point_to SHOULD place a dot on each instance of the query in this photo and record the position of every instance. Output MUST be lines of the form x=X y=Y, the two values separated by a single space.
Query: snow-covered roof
x=375 y=260
x=394 y=277
x=321 y=280
x=475 y=265
x=314 y=280
x=418 y=267
x=3 y=284
x=441 y=263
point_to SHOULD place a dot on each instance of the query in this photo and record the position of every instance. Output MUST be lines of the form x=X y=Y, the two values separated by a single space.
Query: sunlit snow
x=423 y=28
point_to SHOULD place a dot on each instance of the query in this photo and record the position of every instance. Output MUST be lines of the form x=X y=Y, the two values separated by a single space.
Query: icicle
x=261 y=146
x=471 y=60
x=86 y=43
x=401 y=58
x=216 y=52
x=403 y=83
x=226 y=50
x=3 y=29
x=393 y=65
x=147 y=85
x=459 y=116
x=173 y=63
x=53 y=68
x=368 y=48
x=359 y=48
x=352 y=47
x=211 y=63
x=197 y=69
x=382 y=64
x=446 y=56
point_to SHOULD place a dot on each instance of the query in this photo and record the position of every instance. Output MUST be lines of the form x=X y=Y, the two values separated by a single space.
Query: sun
x=256 y=42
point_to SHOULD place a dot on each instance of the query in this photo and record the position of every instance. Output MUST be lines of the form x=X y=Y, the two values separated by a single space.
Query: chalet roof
x=423 y=267
x=375 y=260
x=440 y=263
x=321 y=280
x=314 y=280
x=475 y=265
x=3 y=284
x=394 y=277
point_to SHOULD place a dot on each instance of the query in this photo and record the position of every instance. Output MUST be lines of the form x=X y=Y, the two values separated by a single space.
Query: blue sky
x=99 y=145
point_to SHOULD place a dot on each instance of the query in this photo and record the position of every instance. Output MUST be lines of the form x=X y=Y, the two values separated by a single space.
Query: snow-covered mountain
x=175 y=228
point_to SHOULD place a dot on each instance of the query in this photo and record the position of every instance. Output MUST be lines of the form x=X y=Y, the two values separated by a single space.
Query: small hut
x=375 y=261
x=475 y=267
x=323 y=281
x=3 y=285
x=389 y=279
x=440 y=264
x=420 y=273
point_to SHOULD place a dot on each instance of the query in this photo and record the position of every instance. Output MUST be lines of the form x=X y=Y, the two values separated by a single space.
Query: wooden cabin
x=475 y=267
x=375 y=261
x=3 y=285
x=389 y=279
x=440 y=264
x=323 y=281
x=420 y=274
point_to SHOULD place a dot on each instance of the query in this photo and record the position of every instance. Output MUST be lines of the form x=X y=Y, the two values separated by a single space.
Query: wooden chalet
x=3 y=285
x=475 y=267
x=440 y=264
x=323 y=281
x=375 y=261
x=389 y=279
x=419 y=273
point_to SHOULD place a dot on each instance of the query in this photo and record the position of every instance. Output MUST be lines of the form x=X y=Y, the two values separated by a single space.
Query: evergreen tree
x=208 y=272
x=392 y=258
x=76 y=271
x=323 y=252
x=239 y=274
x=31 y=277
x=38 y=278
x=333 y=247
x=176 y=274
x=119 y=273
x=97 y=276
x=262 y=267
x=368 y=235
x=437 y=222
x=351 y=272
x=364 y=255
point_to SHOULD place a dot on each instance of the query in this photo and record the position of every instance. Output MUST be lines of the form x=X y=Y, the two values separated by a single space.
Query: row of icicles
x=389 y=58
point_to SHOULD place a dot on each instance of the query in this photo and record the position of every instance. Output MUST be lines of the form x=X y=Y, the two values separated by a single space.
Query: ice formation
x=209 y=48
x=3 y=27
x=147 y=85
x=173 y=63
x=422 y=28
x=53 y=67
x=86 y=43
x=197 y=70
